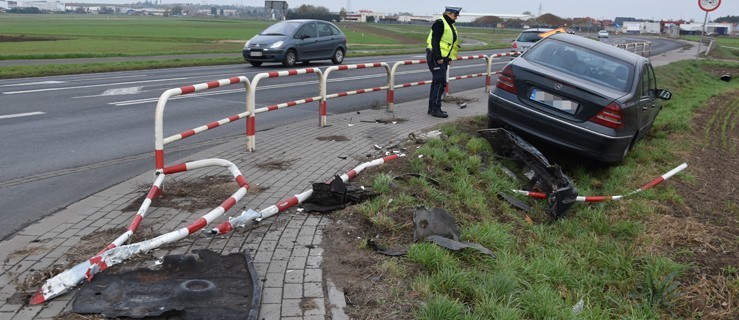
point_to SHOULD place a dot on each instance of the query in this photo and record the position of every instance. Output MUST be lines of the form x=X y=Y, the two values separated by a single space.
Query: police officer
x=441 y=48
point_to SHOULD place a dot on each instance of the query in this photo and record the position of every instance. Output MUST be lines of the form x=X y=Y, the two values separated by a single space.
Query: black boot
x=436 y=112
x=431 y=109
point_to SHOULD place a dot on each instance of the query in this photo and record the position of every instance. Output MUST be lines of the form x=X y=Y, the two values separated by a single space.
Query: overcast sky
x=599 y=9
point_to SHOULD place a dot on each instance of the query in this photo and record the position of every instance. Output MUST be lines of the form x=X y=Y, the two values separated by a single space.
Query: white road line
x=92 y=86
x=18 y=115
x=31 y=83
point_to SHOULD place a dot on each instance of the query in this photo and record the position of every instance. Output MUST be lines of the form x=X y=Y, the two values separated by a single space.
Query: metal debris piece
x=202 y=286
x=462 y=105
x=407 y=176
x=558 y=188
x=514 y=201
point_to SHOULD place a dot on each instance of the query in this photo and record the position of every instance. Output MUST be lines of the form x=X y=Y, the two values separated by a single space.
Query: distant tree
x=494 y=20
x=342 y=13
x=213 y=11
x=528 y=13
x=106 y=10
x=371 y=19
x=221 y=12
x=312 y=12
x=177 y=10
x=80 y=10
x=551 y=20
x=309 y=9
x=729 y=19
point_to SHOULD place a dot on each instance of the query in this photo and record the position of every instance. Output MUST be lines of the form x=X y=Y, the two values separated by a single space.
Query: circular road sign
x=709 y=5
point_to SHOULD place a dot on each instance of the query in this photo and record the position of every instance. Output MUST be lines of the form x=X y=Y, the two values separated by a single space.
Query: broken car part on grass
x=540 y=175
x=437 y=226
x=536 y=170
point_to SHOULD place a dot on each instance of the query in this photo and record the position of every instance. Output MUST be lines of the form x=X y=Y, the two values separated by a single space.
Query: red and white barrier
x=251 y=99
x=250 y=216
x=479 y=56
x=668 y=175
x=324 y=85
x=116 y=253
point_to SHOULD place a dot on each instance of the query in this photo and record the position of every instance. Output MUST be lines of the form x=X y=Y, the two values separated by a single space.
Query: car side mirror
x=664 y=94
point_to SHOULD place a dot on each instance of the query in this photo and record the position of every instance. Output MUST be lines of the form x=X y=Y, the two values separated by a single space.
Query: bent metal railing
x=160 y=141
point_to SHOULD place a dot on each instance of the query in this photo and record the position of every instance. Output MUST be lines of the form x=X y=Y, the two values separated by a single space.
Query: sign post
x=707 y=6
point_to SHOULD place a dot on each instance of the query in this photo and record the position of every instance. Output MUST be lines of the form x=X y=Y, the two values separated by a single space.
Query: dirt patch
x=206 y=192
x=276 y=164
x=703 y=230
x=333 y=138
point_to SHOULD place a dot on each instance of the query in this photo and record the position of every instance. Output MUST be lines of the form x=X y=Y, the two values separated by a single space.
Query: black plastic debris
x=536 y=169
x=336 y=195
x=514 y=201
x=202 y=286
x=726 y=77
x=437 y=226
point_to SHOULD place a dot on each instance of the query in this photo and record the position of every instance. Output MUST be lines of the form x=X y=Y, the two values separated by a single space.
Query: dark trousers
x=438 y=81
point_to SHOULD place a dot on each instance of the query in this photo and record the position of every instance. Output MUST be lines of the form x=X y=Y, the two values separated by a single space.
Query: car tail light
x=506 y=81
x=514 y=46
x=611 y=116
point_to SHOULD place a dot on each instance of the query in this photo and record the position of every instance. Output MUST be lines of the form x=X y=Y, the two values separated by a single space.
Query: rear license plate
x=256 y=53
x=553 y=101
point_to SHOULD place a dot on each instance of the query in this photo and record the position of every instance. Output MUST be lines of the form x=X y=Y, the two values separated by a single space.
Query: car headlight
x=247 y=44
x=276 y=45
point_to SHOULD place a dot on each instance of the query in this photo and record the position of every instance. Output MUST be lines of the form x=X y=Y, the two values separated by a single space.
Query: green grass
x=597 y=254
x=96 y=36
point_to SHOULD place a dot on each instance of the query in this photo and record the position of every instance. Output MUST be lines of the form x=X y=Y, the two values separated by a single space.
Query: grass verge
x=599 y=262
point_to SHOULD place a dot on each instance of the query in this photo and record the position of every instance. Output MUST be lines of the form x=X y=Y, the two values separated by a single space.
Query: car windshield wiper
x=271 y=34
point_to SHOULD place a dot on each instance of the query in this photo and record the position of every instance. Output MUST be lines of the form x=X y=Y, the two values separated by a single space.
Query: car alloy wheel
x=338 y=56
x=290 y=58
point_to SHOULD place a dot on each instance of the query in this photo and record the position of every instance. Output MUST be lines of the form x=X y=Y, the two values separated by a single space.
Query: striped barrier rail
x=116 y=253
x=250 y=216
x=658 y=180
x=160 y=141
x=467 y=76
x=391 y=83
x=251 y=99
x=324 y=85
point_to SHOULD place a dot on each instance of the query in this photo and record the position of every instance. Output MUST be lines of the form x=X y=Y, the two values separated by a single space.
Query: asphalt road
x=65 y=138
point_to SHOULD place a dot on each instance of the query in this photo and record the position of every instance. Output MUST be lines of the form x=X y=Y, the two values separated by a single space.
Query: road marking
x=18 y=115
x=31 y=83
x=92 y=86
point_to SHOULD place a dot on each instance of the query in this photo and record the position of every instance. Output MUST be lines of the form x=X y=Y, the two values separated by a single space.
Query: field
x=84 y=36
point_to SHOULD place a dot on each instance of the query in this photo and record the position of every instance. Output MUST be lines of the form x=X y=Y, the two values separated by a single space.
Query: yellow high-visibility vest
x=447 y=45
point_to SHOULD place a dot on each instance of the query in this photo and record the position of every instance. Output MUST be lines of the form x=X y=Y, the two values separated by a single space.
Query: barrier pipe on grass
x=250 y=216
x=115 y=253
x=660 y=179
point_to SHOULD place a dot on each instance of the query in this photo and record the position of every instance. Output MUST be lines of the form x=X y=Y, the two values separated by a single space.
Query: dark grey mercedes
x=579 y=94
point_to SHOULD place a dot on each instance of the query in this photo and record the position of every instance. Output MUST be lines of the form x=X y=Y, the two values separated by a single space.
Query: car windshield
x=281 y=29
x=583 y=63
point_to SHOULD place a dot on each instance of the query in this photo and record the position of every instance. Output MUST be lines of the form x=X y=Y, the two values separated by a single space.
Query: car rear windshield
x=529 y=36
x=584 y=63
